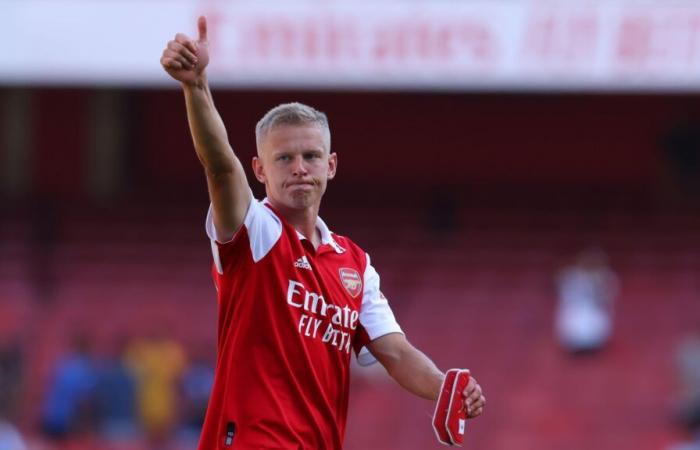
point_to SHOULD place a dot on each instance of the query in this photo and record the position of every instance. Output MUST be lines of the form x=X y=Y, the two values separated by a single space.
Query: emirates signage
x=383 y=44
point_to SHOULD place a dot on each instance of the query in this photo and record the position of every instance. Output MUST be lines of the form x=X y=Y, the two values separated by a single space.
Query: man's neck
x=304 y=221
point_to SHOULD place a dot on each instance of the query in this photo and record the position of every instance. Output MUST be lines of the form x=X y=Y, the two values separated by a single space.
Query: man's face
x=294 y=165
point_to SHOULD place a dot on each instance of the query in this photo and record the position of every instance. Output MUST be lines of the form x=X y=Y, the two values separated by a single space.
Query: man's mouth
x=301 y=184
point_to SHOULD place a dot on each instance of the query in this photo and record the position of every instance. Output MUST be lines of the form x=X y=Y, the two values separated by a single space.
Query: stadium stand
x=485 y=296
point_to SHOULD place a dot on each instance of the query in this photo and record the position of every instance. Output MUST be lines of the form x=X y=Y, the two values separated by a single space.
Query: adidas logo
x=302 y=263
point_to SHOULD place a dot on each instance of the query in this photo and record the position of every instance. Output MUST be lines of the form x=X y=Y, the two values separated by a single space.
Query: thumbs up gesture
x=185 y=59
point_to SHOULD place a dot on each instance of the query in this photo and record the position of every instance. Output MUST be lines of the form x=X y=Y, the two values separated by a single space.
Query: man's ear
x=332 y=165
x=258 y=169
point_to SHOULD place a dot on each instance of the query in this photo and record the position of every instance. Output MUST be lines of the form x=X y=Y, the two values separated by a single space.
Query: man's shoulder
x=339 y=238
x=348 y=244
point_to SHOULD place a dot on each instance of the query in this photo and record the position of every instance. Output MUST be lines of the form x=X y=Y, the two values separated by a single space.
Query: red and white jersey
x=289 y=316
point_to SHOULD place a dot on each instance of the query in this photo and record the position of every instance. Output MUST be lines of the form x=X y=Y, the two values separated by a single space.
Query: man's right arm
x=186 y=60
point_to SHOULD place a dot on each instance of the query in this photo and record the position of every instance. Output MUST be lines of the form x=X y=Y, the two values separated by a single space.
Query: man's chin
x=301 y=200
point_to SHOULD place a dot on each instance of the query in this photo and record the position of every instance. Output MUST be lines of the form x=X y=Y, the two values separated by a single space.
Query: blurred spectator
x=11 y=363
x=688 y=361
x=10 y=439
x=116 y=395
x=197 y=382
x=69 y=398
x=158 y=363
x=584 y=315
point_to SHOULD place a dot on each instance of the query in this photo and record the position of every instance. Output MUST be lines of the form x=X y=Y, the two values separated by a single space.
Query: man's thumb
x=202 y=26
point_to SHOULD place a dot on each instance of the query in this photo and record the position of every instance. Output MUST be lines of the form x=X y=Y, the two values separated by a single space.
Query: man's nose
x=299 y=166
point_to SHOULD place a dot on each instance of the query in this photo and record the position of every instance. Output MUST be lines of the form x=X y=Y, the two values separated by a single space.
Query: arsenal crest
x=352 y=282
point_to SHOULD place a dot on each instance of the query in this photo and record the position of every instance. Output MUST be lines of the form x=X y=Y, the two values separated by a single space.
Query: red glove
x=449 y=420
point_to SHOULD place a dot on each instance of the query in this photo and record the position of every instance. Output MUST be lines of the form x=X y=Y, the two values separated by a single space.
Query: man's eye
x=311 y=155
x=283 y=158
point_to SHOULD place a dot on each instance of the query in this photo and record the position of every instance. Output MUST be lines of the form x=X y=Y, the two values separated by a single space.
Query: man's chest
x=322 y=291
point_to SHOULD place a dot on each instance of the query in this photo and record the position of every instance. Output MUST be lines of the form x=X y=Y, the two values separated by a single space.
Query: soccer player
x=294 y=298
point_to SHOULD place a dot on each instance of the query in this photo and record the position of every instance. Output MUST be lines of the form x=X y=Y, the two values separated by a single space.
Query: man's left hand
x=474 y=399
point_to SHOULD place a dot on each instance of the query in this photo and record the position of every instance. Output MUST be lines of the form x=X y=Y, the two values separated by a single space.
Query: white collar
x=326 y=236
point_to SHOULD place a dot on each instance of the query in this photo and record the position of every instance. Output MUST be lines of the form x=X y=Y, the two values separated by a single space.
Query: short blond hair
x=294 y=113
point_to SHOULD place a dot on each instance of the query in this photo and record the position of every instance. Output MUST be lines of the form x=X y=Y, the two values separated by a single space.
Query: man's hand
x=185 y=59
x=474 y=399
x=460 y=398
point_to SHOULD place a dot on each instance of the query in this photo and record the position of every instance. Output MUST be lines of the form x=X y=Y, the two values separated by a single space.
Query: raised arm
x=186 y=60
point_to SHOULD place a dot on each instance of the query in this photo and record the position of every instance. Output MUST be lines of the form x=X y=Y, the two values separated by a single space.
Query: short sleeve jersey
x=288 y=317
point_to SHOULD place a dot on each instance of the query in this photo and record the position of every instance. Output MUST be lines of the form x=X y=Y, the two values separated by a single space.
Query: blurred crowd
x=11 y=372
x=688 y=398
x=586 y=298
x=150 y=392
x=146 y=390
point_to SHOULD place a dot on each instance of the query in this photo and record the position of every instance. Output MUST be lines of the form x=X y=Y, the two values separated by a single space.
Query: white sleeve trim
x=211 y=229
x=365 y=358
x=375 y=313
x=263 y=226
